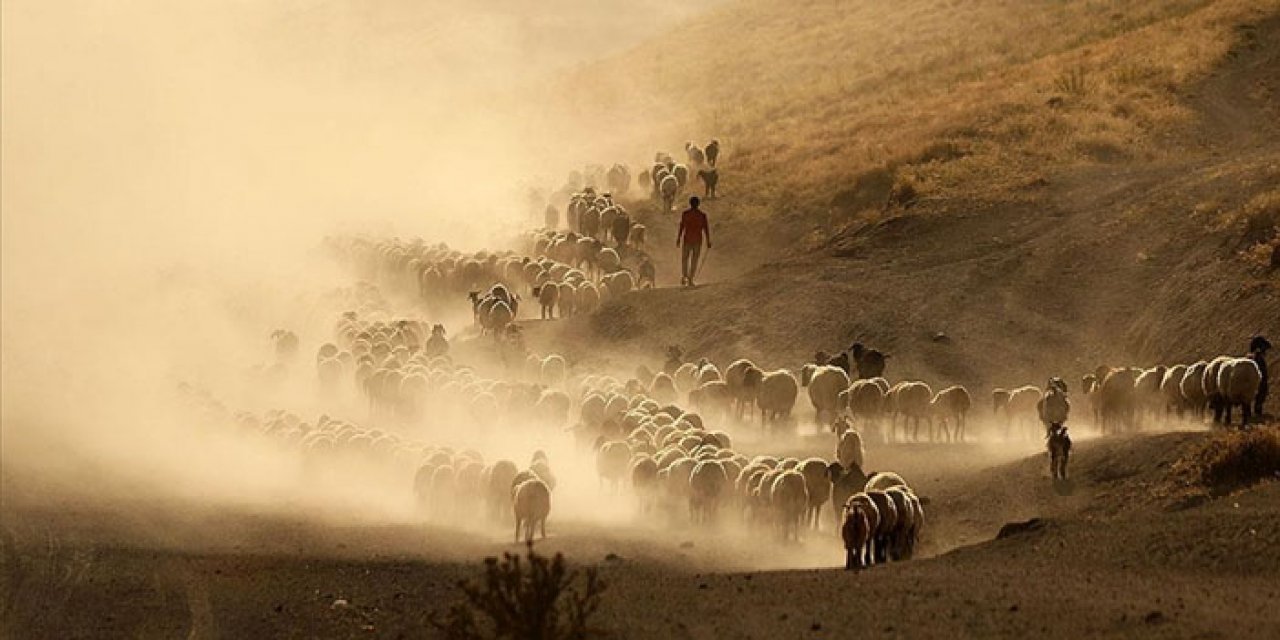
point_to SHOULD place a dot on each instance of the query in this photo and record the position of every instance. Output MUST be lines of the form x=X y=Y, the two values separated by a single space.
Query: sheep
x=668 y=188
x=735 y=376
x=568 y=299
x=644 y=481
x=706 y=485
x=1238 y=383
x=548 y=295
x=500 y=315
x=856 y=532
x=437 y=345
x=712 y=151
x=913 y=401
x=531 y=505
x=638 y=233
x=845 y=481
x=776 y=394
x=1116 y=399
x=825 y=383
x=647 y=274
x=588 y=298
x=1171 y=390
x=707 y=372
x=713 y=398
x=789 y=497
x=1209 y=383
x=952 y=403
x=849 y=451
x=818 y=485
x=860 y=501
x=883 y=480
x=1059 y=445
x=553 y=370
x=1146 y=390
x=865 y=402
x=681 y=173
x=709 y=177
x=663 y=388
x=619 y=282
x=869 y=362
x=553 y=406
x=612 y=460
x=1021 y=407
x=1192 y=389
x=1053 y=407
x=500 y=475
x=695 y=154
x=883 y=536
x=1000 y=402
x=901 y=543
x=608 y=261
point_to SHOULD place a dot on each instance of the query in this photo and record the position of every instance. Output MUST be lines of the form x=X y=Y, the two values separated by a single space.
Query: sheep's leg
x=543 y=526
x=517 y=538
x=848 y=559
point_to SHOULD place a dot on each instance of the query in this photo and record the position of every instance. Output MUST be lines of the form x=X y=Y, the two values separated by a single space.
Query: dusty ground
x=1121 y=555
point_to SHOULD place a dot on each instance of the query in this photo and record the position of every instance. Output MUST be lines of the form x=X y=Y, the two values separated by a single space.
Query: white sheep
x=1238 y=383
x=818 y=485
x=951 y=404
x=776 y=395
x=612 y=461
x=548 y=296
x=1021 y=408
x=735 y=376
x=825 y=384
x=531 y=504
x=1193 y=389
x=707 y=483
x=554 y=370
x=849 y=451
x=1171 y=390
x=789 y=499
x=912 y=401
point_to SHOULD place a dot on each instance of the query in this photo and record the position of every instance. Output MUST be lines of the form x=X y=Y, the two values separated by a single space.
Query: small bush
x=1074 y=81
x=523 y=599
x=1235 y=459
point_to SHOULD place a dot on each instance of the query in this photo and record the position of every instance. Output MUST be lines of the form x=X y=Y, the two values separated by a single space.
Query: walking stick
x=703 y=262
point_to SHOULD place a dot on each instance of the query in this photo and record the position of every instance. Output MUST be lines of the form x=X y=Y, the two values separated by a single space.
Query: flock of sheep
x=662 y=437
x=672 y=462
x=1120 y=399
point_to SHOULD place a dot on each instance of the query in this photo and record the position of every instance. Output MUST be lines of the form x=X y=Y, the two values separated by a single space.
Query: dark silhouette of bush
x=531 y=599
x=1236 y=459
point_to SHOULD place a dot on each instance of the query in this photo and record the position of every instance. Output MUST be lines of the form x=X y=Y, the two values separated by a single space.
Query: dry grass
x=811 y=97
x=1232 y=460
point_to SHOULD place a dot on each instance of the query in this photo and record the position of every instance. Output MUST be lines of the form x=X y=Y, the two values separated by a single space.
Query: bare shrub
x=533 y=599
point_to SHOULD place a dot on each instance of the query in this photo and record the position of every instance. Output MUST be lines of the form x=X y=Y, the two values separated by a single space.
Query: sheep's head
x=834 y=471
x=806 y=374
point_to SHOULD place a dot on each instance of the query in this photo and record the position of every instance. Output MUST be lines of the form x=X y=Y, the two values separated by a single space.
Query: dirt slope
x=1132 y=260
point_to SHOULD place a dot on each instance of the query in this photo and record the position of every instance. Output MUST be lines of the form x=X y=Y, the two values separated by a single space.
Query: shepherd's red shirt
x=693 y=224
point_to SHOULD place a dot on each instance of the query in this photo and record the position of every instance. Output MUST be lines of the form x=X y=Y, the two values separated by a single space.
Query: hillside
x=1105 y=194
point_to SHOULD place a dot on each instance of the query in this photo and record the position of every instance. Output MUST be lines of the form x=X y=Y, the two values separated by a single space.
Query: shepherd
x=693 y=226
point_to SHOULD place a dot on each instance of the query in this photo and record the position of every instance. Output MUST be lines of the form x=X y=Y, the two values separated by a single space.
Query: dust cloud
x=170 y=170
